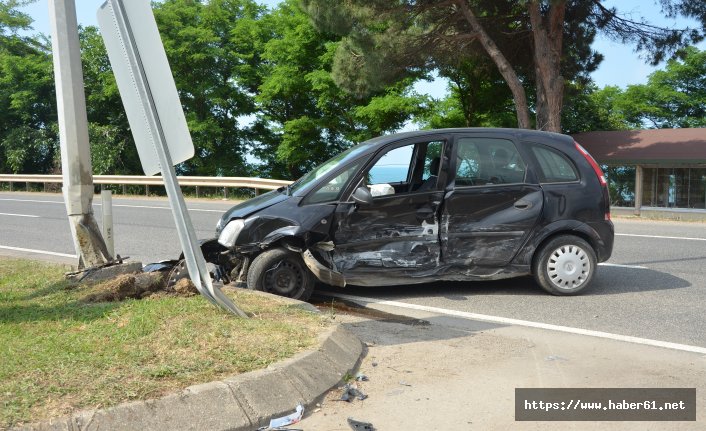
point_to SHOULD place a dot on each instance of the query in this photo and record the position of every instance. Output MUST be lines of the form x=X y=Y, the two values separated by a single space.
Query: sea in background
x=388 y=174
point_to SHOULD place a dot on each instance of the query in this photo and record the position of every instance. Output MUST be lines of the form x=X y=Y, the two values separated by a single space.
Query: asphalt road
x=659 y=294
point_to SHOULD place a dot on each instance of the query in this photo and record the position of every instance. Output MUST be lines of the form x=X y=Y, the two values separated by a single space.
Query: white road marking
x=29 y=250
x=165 y=208
x=526 y=323
x=115 y=205
x=31 y=200
x=20 y=215
x=617 y=265
x=661 y=237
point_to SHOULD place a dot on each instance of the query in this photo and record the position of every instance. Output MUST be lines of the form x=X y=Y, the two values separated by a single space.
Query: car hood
x=251 y=206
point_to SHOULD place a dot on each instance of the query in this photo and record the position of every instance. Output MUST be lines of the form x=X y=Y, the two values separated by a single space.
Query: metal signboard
x=157 y=120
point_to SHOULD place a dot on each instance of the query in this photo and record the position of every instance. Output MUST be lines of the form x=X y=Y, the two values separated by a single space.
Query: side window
x=331 y=191
x=393 y=167
x=555 y=167
x=432 y=160
x=481 y=161
x=410 y=168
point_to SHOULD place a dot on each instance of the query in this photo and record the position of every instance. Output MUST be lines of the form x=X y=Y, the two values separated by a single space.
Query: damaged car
x=416 y=207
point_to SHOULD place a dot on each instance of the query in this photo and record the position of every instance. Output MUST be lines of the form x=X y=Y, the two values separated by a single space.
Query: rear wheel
x=281 y=272
x=565 y=265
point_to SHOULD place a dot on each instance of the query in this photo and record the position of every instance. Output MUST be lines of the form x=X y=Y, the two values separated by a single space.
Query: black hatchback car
x=452 y=204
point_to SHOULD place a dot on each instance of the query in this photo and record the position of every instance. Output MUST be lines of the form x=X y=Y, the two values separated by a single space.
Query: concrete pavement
x=431 y=372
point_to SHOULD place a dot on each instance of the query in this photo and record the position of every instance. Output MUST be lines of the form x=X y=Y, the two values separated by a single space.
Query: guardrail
x=125 y=180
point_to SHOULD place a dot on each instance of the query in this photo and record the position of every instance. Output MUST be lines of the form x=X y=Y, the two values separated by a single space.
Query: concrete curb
x=244 y=402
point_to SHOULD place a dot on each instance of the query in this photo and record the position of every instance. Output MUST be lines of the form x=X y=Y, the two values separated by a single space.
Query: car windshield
x=325 y=168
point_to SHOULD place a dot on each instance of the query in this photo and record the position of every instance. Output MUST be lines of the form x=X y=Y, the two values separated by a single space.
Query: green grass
x=59 y=354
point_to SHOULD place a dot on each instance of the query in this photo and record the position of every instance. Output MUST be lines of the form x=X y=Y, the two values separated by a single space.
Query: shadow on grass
x=76 y=311
x=39 y=305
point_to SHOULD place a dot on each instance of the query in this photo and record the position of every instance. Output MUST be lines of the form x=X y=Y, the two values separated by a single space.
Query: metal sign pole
x=73 y=135
x=151 y=101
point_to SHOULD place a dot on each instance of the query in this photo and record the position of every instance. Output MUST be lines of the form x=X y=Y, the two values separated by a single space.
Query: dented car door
x=398 y=232
x=493 y=205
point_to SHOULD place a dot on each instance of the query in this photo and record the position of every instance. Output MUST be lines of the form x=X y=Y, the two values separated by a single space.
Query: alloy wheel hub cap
x=568 y=267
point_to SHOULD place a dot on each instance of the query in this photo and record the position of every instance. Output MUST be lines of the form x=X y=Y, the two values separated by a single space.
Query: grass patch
x=59 y=354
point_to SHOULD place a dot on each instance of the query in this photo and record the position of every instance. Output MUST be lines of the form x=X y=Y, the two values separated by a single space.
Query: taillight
x=594 y=165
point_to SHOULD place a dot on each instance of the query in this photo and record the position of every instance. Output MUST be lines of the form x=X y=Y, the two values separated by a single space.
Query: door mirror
x=362 y=196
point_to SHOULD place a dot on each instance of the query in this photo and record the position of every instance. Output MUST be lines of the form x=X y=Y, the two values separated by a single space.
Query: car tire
x=565 y=265
x=281 y=272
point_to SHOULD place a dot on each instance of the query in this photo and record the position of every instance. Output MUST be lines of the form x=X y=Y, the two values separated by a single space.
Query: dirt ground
x=442 y=373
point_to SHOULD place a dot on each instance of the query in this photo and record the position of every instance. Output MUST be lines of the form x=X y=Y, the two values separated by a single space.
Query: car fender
x=526 y=253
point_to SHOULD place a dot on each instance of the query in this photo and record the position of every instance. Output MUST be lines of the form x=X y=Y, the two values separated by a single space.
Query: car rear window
x=555 y=167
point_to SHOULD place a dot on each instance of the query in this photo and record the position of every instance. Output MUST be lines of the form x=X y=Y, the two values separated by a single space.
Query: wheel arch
x=577 y=233
x=578 y=229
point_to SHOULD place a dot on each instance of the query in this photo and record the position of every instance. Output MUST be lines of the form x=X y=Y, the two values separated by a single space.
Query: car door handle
x=523 y=204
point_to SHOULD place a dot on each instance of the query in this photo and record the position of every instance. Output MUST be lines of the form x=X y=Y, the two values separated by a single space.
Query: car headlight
x=230 y=233
x=219 y=226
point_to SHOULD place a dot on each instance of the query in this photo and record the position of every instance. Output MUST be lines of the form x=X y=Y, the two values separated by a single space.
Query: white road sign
x=134 y=47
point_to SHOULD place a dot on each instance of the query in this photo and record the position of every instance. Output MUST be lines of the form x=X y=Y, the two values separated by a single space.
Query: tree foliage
x=304 y=116
x=27 y=109
x=673 y=97
x=537 y=46
x=275 y=92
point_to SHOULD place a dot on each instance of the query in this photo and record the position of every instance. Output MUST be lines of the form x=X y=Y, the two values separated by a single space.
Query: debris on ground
x=360 y=426
x=403 y=383
x=284 y=421
x=134 y=286
x=137 y=286
x=185 y=287
x=162 y=266
x=360 y=377
x=351 y=392
x=555 y=358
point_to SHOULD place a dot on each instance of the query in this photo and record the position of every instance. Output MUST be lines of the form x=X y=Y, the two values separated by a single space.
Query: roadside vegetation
x=272 y=92
x=61 y=351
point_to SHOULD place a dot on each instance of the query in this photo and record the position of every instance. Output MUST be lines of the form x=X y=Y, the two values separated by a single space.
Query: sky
x=621 y=65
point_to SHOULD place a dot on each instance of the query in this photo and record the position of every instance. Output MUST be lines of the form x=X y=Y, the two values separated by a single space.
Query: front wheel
x=282 y=272
x=565 y=265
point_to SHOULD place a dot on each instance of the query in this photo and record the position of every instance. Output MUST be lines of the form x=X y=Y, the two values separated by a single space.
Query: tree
x=417 y=35
x=28 y=141
x=673 y=97
x=304 y=116
x=213 y=48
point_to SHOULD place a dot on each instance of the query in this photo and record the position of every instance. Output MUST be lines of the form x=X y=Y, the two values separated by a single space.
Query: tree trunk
x=547 y=59
x=504 y=66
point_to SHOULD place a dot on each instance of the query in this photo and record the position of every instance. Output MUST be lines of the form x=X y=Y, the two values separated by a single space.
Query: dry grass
x=59 y=354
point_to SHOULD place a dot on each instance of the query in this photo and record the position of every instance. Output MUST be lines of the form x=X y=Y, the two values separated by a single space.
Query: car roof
x=525 y=134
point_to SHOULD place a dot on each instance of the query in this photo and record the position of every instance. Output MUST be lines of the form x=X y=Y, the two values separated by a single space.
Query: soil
x=138 y=286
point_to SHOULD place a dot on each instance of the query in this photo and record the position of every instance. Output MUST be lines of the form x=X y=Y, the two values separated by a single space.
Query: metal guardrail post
x=107 y=210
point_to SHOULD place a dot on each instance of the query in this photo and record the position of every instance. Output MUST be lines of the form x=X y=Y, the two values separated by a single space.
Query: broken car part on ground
x=415 y=207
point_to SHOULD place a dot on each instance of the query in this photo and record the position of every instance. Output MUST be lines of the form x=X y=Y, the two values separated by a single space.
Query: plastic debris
x=360 y=426
x=360 y=377
x=289 y=419
x=351 y=392
x=555 y=358
x=403 y=383
x=164 y=265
